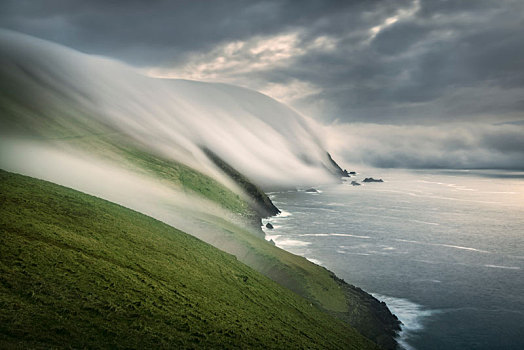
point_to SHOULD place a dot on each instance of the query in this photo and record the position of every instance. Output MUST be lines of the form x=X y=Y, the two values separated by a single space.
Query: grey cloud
x=401 y=76
x=453 y=146
x=406 y=62
x=125 y=29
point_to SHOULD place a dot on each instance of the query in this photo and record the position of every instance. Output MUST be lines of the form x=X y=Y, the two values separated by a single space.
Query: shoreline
x=370 y=316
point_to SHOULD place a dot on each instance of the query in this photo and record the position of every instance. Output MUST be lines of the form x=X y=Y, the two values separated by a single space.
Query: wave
x=333 y=234
x=352 y=253
x=315 y=261
x=290 y=243
x=413 y=316
x=283 y=214
x=503 y=267
x=272 y=237
x=425 y=222
x=443 y=245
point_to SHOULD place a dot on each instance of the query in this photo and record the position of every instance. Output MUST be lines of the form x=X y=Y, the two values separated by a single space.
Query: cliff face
x=369 y=316
x=259 y=201
x=334 y=168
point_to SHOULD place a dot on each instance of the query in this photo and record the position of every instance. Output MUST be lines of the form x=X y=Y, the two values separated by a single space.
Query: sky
x=415 y=83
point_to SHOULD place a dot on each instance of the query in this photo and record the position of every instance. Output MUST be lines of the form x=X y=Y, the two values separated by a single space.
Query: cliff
x=191 y=155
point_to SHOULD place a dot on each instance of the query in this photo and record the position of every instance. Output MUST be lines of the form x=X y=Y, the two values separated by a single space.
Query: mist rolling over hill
x=194 y=155
x=83 y=96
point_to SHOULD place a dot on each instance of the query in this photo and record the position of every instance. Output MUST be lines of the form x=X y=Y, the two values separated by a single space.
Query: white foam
x=283 y=214
x=503 y=267
x=315 y=261
x=272 y=237
x=412 y=315
x=425 y=222
x=333 y=234
x=291 y=243
x=442 y=245
x=463 y=248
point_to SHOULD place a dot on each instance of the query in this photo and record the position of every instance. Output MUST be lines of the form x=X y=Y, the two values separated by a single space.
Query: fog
x=451 y=146
x=263 y=139
x=98 y=177
x=174 y=206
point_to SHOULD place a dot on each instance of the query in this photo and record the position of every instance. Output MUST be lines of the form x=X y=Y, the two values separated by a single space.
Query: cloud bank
x=402 y=63
x=56 y=93
x=395 y=62
x=457 y=146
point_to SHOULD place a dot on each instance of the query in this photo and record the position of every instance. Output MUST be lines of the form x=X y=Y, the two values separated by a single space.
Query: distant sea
x=443 y=249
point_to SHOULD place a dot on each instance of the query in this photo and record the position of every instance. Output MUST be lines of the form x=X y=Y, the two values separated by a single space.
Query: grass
x=69 y=127
x=77 y=271
x=188 y=179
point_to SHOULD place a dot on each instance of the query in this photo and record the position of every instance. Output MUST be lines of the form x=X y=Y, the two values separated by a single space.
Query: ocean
x=444 y=249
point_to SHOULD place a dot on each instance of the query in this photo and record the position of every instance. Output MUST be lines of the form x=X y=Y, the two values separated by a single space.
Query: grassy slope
x=73 y=128
x=84 y=133
x=79 y=271
x=320 y=286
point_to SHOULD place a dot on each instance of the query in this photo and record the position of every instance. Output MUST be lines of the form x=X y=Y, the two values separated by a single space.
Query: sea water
x=443 y=249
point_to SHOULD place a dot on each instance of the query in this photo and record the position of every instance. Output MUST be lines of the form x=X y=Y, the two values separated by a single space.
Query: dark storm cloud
x=435 y=65
x=433 y=60
x=126 y=29
x=409 y=62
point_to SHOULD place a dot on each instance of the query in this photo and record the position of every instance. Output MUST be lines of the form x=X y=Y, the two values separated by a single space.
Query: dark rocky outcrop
x=352 y=173
x=369 y=316
x=260 y=201
x=370 y=179
x=354 y=183
x=269 y=226
x=335 y=169
x=311 y=190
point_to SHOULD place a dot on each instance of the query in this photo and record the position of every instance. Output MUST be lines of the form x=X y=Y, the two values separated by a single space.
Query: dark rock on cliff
x=352 y=173
x=354 y=183
x=269 y=226
x=260 y=201
x=335 y=169
x=369 y=316
x=311 y=190
x=370 y=179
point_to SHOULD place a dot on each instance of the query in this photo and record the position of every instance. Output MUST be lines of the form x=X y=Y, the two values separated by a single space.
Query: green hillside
x=77 y=271
x=68 y=128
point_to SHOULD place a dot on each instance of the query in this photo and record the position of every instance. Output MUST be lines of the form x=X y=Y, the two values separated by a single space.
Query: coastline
x=366 y=313
x=403 y=242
